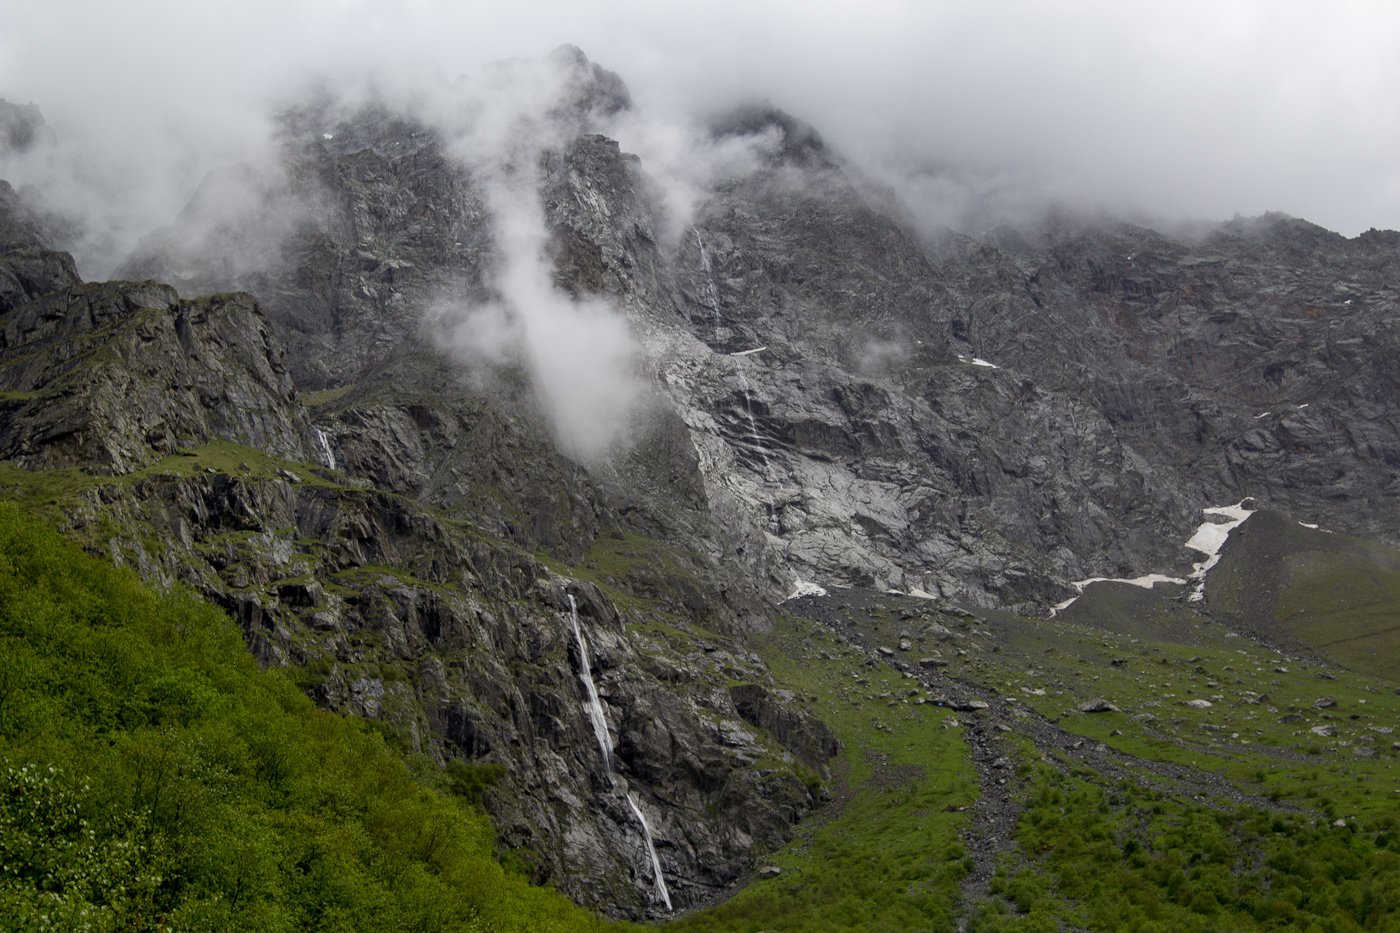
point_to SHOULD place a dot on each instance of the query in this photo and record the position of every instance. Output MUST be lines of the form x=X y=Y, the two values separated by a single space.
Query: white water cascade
x=757 y=439
x=325 y=444
x=709 y=281
x=605 y=747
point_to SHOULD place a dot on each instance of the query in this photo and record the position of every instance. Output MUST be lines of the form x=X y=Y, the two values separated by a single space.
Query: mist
x=580 y=355
x=1187 y=110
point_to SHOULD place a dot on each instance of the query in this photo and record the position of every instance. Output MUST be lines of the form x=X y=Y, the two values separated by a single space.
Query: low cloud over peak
x=974 y=111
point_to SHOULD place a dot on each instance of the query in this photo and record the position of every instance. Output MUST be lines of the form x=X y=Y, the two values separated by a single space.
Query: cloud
x=580 y=354
x=1202 y=109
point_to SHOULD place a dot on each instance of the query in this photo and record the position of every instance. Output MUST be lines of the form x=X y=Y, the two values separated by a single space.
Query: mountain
x=471 y=428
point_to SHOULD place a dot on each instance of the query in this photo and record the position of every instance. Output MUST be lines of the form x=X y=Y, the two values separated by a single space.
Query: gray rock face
x=404 y=584
x=833 y=401
x=114 y=376
x=346 y=245
x=28 y=267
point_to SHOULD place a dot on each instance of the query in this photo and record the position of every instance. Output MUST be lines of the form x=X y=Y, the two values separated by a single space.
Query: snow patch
x=1210 y=538
x=1146 y=581
x=805 y=588
x=749 y=352
x=977 y=361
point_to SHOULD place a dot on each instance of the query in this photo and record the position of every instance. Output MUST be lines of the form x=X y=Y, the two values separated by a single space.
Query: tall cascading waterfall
x=325 y=444
x=605 y=747
x=773 y=524
x=709 y=281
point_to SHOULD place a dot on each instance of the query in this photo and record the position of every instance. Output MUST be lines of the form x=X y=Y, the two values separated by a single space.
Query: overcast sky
x=1181 y=109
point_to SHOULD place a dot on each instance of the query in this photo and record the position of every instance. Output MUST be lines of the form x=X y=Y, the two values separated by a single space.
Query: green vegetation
x=1119 y=858
x=1224 y=816
x=1347 y=609
x=1335 y=594
x=324 y=397
x=885 y=855
x=154 y=778
x=45 y=489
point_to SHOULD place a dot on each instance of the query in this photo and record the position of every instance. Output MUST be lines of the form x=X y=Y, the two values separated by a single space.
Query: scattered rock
x=1099 y=705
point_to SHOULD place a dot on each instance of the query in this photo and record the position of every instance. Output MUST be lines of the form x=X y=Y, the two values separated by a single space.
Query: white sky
x=1179 y=109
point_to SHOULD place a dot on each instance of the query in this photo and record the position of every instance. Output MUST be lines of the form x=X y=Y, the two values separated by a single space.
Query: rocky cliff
x=827 y=400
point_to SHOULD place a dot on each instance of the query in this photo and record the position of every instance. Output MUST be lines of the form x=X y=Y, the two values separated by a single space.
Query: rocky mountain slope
x=281 y=406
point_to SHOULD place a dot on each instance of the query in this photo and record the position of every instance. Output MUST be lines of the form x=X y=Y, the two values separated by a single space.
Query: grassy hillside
x=886 y=855
x=1332 y=594
x=154 y=778
x=1227 y=786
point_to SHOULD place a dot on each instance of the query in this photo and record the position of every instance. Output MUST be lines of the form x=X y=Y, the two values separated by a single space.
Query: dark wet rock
x=805 y=736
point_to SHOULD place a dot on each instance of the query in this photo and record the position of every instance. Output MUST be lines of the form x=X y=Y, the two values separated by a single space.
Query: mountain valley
x=757 y=562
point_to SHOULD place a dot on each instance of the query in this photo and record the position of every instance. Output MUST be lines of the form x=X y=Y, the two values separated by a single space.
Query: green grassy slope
x=1274 y=806
x=154 y=778
x=885 y=855
x=1330 y=593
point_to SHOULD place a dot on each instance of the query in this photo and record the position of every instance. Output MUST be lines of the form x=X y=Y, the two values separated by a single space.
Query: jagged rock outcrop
x=828 y=400
x=1252 y=358
x=422 y=582
x=29 y=268
x=1138 y=376
x=117 y=375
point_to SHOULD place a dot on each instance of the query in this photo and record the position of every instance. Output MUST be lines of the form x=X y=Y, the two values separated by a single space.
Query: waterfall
x=753 y=426
x=324 y=443
x=651 y=850
x=605 y=748
x=773 y=523
x=595 y=705
x=709 y=280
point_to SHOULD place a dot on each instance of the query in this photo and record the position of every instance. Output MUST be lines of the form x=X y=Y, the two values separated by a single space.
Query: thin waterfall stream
x=773 y=524
x=325 y=444
x=605 y=747
x=709 y=281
